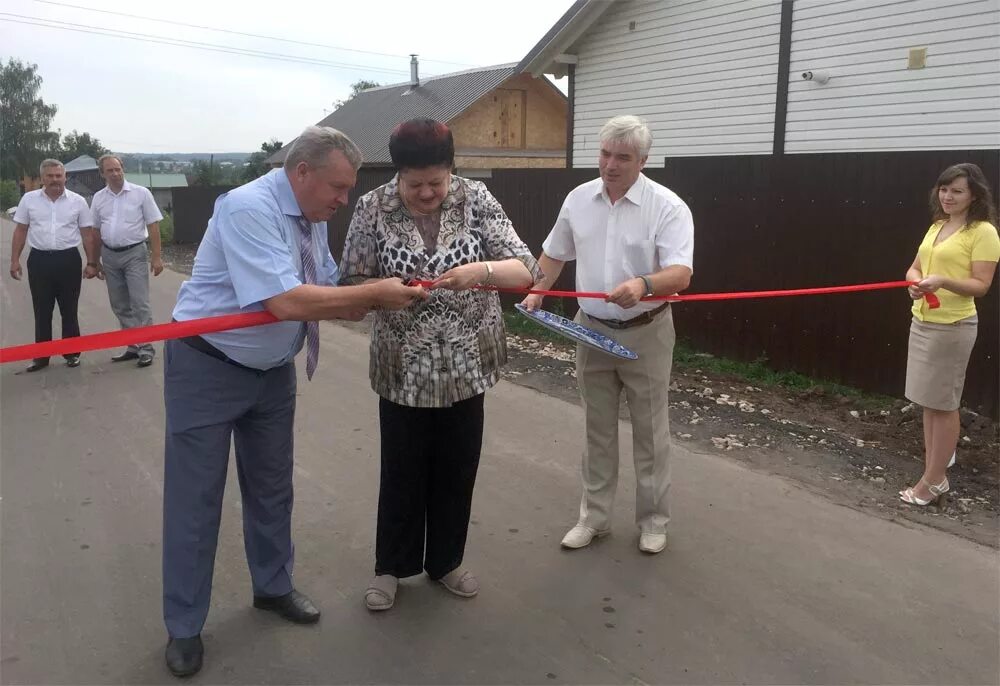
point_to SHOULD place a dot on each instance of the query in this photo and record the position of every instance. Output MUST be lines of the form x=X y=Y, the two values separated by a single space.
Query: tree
x=356 y=87
x=208 y=173
x=25 y=138
x=205 y=173
x=255 y=164
x=75 y=144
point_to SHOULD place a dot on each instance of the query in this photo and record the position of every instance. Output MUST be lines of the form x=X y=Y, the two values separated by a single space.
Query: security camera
x=817 y=76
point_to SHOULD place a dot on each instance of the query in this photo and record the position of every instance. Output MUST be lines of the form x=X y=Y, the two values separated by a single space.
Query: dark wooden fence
x=764 y=222
x=193 y=207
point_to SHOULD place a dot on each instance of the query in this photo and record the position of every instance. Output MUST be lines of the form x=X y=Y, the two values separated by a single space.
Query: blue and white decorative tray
x=578 y=333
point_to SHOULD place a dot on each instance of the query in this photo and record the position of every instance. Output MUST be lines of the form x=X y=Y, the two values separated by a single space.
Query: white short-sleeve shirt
x=53 y=224
x=123 y=217
x=648 y=229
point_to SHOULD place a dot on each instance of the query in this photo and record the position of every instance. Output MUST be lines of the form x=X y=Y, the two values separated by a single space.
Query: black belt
x=638 y=320
x=123 y=249
x=203 y=346
x=54 y=252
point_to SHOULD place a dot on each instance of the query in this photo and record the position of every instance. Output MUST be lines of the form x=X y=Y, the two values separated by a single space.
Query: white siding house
x=873 y=101
x=701 y=73
x=705 y=74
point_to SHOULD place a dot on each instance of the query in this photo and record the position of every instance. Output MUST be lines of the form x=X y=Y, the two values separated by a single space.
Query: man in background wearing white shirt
x=631 y=238
x=126 y=215
x=52 y=220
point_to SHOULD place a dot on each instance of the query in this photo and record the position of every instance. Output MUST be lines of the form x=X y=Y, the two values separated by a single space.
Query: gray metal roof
x=541 y=59
x=370 y=116
x=81 y=163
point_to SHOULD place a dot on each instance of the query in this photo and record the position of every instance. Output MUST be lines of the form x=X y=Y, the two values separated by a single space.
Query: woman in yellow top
x=956 y=260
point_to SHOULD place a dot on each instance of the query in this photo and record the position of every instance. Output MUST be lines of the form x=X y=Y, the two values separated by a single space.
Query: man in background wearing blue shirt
x=265 y=248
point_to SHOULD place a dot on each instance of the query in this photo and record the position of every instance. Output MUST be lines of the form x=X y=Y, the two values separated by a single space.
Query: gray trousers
x=127 y=276
x=601 y=379
x=208 y=403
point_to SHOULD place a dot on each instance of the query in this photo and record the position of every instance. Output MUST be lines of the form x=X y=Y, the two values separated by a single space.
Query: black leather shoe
x=125 y=356
x=294 y=606
x=73 y=361
x=145 y=359
x=184 y=655
x=36 y=365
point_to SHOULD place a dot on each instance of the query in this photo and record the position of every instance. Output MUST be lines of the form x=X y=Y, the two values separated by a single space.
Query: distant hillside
x=189 y=156
x=179 y=161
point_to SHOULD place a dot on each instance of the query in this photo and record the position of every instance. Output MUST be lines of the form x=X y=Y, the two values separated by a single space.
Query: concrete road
x=763 y=582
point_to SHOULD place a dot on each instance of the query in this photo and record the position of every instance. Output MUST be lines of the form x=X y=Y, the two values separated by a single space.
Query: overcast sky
x=143 y=96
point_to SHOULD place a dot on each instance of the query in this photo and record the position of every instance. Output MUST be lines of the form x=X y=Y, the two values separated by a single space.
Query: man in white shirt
x=52 y=220
x=126 y=215
x=631 y=238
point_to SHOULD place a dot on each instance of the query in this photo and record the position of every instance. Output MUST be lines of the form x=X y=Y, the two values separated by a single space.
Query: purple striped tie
x=309 y=272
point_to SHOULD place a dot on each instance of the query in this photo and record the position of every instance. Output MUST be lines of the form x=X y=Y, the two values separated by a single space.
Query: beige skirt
x=936 y=363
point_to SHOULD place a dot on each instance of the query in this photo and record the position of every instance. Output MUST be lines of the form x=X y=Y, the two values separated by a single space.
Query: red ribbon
x=932 y=300
x=144 y=334
x=228 y=322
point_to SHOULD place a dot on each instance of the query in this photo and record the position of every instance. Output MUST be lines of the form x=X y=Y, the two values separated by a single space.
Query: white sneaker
x=652 y=543
x=580 y=536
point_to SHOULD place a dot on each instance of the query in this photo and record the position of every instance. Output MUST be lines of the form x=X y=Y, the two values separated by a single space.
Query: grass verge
x=755 y=373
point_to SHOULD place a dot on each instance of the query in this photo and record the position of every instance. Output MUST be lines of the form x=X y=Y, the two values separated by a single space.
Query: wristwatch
x=647 y=282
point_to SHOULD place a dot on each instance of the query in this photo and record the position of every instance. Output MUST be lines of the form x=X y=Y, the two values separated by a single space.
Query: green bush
x=9 y=195
x=167 y=229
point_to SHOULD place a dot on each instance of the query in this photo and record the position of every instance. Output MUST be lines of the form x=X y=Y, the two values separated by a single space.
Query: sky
x=139 y=95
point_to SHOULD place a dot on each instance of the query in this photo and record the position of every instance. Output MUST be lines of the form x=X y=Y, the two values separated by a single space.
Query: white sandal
x=381 y=592
x=461 y=582
x=939 y=492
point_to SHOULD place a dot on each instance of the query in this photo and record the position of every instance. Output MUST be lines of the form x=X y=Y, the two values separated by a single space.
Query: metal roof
x=370 y=116
x=81 y=163
x=543 y=58
x=156 y=180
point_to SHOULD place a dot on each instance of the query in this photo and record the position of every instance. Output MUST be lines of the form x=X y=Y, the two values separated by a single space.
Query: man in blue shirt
x=265 y=248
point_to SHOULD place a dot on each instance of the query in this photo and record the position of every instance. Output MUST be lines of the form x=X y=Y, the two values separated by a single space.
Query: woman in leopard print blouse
x=432 y=363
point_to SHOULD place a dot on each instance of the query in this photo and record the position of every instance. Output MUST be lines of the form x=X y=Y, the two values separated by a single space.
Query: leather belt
x=122 y=249
x=638 y=320
x=203 y=346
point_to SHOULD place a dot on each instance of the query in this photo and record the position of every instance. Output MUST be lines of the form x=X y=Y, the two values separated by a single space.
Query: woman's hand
x=461 y=278
x=915 y=293
x=931 y=283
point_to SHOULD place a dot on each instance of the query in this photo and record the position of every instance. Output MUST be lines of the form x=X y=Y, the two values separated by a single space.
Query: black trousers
x=54 y=276
x=430 y=456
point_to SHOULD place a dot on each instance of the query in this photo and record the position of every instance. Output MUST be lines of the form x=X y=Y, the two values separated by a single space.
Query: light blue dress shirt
x=250 y=253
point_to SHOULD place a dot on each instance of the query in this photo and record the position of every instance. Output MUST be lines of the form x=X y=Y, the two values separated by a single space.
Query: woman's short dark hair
x=421 y=143
x=982 y=208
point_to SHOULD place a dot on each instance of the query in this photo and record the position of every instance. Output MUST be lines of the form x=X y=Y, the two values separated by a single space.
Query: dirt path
x=816 y=440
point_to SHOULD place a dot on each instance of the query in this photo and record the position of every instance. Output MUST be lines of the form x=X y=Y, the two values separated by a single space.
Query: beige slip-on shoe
x=652 y=543
x=580 y=536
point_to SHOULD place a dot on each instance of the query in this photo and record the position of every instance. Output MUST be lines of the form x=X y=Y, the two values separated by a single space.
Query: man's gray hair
x=110 y=156
x=314 y=145
x=629 y=130
x=48 y=163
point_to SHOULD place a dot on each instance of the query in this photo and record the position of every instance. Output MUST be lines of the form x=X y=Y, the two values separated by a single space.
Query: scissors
x=408 y=281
